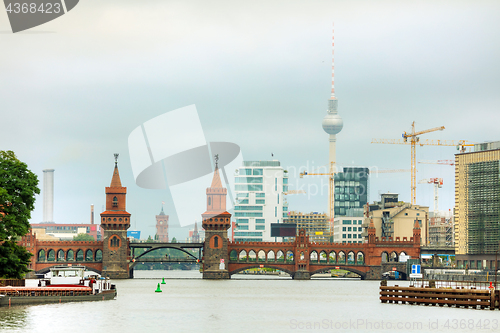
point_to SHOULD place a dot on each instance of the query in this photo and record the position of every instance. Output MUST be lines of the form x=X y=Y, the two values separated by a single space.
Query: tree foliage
x=18 y=186
x=83 y=237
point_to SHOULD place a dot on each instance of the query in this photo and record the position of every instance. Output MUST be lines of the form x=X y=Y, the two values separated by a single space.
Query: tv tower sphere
x=332 y=123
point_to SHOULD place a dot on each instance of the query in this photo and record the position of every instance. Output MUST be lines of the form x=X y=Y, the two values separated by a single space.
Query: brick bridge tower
x=216 y=222
x=115 y=221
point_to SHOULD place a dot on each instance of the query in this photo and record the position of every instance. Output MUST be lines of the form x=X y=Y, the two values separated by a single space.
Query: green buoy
x=158 y=290
x=163 y=281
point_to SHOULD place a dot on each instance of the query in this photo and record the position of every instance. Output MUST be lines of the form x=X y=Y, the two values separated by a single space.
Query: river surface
x=243 y=304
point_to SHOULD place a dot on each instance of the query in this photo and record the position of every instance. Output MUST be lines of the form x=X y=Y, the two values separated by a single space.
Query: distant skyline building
x=332 y=124
x=48 y=195
x=259 y=188
x=315 y=224
x=348 y=229
x=162 y=226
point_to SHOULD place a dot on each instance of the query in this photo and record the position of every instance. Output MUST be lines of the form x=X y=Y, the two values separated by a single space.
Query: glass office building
x=351 y=191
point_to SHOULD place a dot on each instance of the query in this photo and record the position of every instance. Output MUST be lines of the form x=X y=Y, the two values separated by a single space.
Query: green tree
x=174 y=240
x=83 y=237
x=18 y=186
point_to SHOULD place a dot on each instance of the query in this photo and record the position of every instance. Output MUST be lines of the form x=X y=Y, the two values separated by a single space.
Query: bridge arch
x=313 y=257
x=360 y=258
x=89 y=255
x=98 y=255
x=243 y=256
x=323 y=257
x=384 y=257
x=252 y=256
x=261 y=256
x=271 y=256
x=351 y=258
x=346 y=268
x=166 y=246
x=70 y=255
x=42 y=256
x=266 y=265
x=51 y=255
x=79 y=255
x=233 y=255
x=393 y=257
x=341 y=257
x=332 y=257
x=61 y=256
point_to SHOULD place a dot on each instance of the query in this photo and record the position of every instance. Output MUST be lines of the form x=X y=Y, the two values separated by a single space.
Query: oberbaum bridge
x=221 y=258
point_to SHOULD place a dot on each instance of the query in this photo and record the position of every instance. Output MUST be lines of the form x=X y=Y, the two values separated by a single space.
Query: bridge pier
x=375 y=273
x=216 y=275
x=302 y=275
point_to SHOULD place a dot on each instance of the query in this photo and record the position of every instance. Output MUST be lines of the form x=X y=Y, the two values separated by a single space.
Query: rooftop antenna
x=333 y=62
x=116 y=159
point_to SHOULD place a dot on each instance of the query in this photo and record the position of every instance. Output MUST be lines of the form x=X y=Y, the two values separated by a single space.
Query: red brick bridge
x=301 y=258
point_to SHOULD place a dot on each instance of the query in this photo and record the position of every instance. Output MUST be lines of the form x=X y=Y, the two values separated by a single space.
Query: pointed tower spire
x=115 y=181
x=216 y=193
x=216 y=182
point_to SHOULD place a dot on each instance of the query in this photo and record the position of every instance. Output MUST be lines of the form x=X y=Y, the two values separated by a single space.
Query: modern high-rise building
x=351 y=191
x=259 y=188
x=477 y=206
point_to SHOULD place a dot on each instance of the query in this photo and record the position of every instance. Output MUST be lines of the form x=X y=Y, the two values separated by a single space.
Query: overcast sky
x=259 y=72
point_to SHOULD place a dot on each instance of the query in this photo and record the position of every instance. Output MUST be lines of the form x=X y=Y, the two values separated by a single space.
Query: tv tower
x=332 y=124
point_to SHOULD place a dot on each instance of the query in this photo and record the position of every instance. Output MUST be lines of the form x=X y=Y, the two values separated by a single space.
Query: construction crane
x=388 y=171
x=438 y=183
x=414 y=140
x=441 y=162
x=331 y=176
x=331 y=194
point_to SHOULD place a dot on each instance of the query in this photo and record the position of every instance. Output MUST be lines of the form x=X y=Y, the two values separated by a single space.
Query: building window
x=216 y=241
x=258 y=172
x=247 y=208
x=115 y=202
x=275 y=211
x=209 y=201
x=344 y=236
x=260 y=227
x=349 y=229
x=260 y=220
x=242 y=227
x=344 y=228
x=114 y=242
x=260 y=201
x=260 y=195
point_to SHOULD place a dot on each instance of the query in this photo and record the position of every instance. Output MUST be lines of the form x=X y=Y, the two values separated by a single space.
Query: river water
x=243 y=304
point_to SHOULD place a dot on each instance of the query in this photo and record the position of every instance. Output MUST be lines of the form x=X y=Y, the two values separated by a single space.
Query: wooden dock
x=471 y=297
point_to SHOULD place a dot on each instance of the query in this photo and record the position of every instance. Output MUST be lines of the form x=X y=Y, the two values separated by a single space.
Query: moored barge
x=63 y=284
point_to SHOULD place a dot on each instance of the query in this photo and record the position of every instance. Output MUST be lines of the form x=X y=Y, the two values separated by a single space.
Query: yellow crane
x=331 y=194
x=414 y=139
